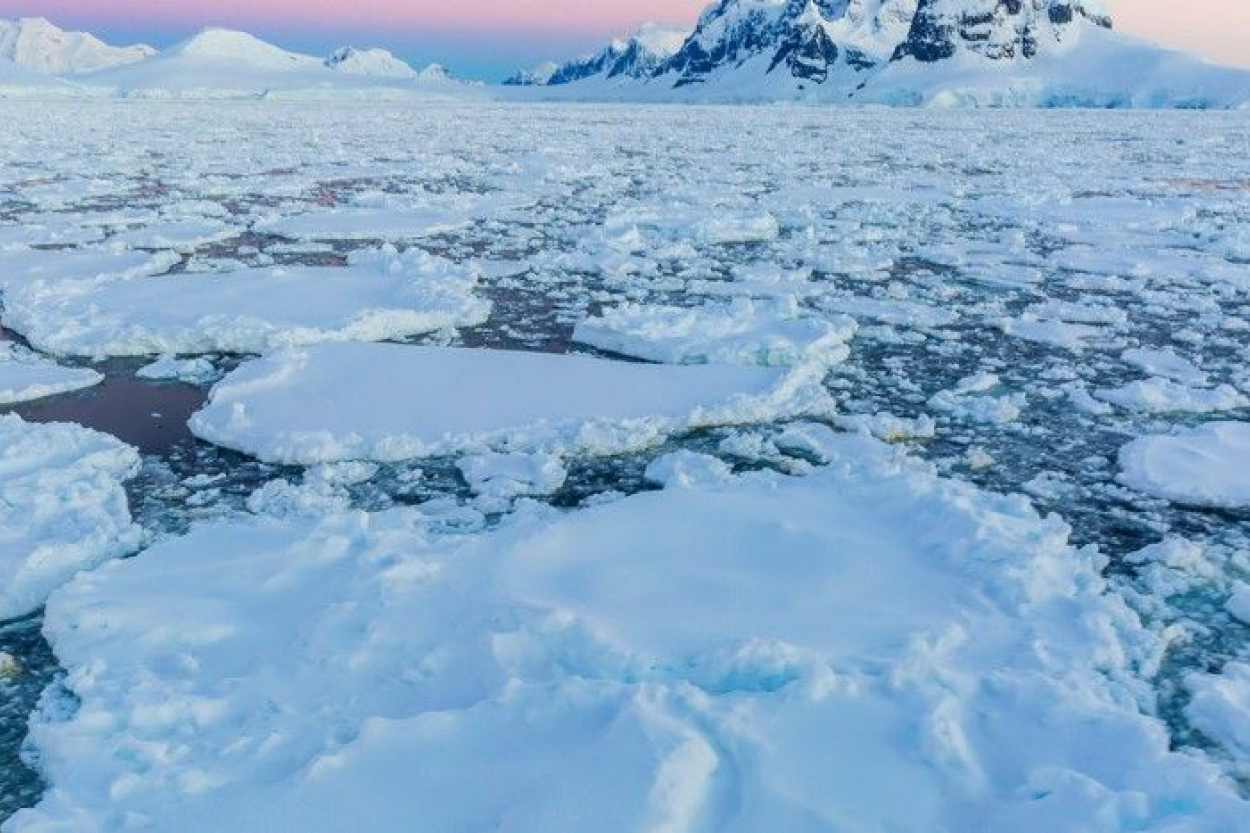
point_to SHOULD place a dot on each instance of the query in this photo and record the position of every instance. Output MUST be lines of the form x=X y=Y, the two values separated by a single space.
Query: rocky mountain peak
x=996 y=29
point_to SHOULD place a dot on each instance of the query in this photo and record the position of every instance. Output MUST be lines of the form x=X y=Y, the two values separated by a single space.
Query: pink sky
x=1218 y=29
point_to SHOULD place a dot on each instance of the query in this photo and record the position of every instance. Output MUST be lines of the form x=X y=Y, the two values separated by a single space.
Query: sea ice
x=196 y=371
x=758 y=652
x=1206 y=466
x=25 y=375
x=390 y=402
x=394 y=224
x=381 y=295
x=1159 y=395
x=62 y=507
x=771 y=333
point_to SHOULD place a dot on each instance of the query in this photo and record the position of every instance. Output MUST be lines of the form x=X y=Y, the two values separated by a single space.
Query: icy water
x=1001 y=268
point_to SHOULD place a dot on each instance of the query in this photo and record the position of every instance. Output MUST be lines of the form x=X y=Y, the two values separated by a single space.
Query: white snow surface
x=742 y=332
x=868 y=647
x=25 y=375
x=381 y=294
x=1206 y=466
x=375 y=62
x=62 y=507
x=326 y=402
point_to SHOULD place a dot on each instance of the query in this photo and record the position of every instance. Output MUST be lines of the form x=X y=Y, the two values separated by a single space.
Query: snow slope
x=1094 y=68
x=19 y=82
x=37 y=45
x=374 y=62
x=870 y=647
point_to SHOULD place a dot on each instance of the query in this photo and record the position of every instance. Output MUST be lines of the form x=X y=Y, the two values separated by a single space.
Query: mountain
x=639 y=56
x=810 y=40
x=225 y=46
x=1003 y=29
x=37 y=45
x=223 y=64
x=911 y=52
x=536 y=77
x=437 y=74
x=374 y=62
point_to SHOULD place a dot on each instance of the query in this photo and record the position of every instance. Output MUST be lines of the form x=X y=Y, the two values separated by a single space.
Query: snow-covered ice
x=62 y=507
x=25 y=375
x=323 y=403
x=773 y=333
x=381 y=295
x=1208 y=465
x=782 y=651
x=196 y=371
x=1113 y=245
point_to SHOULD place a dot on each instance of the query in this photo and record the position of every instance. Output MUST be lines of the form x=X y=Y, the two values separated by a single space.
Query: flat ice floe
x=371 y=223
x=30 y=266
x=380 y=295
x=25 y=375
x=1161 y=395
x=742 y=332
x=870 y=646
x=62 y=507
x=387 y=402
x=1205 y=466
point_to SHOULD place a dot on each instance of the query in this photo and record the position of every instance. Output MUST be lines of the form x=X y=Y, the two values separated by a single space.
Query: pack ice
x=388 y=402
x=868 y=647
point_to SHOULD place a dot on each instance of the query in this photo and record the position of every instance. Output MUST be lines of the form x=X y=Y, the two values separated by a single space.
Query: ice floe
x=772 y=333
x=1161 y=395
x=756 y=652
x=380 y=295
x=62 y=507
x=25 y=375
x=193 y=371
x=1208 y=465
x=389 y=402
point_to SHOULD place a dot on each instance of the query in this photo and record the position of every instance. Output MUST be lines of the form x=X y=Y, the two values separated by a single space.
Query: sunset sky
x=489 y=38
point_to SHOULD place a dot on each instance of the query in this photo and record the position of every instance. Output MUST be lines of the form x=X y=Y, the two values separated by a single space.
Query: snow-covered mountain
x=810 y=40
x=535 y=77
x=1001 y=29
x=375 y=62
x=641 y=55
x=37 y=45
x=221 y=63
x=912 y=52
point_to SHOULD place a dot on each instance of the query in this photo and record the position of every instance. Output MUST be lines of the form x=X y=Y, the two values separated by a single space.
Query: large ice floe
x=62 y=507
x=871 y=646
x=1206 y=466
x=382 y=294
x=441 y=400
